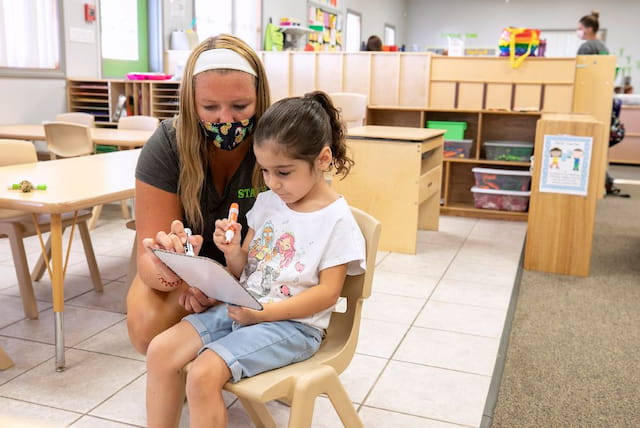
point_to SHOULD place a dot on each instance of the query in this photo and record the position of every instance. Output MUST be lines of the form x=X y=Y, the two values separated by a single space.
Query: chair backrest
x=68 y=139
x=138 y=122
x=352 y=106
x=85 y=119
x=342 y=335
x=15 y=152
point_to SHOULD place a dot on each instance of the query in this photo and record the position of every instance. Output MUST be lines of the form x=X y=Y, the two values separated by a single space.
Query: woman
x=189 y=172
x=587 y=29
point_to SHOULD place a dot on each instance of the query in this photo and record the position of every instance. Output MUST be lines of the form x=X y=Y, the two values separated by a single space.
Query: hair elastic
x=217 y=59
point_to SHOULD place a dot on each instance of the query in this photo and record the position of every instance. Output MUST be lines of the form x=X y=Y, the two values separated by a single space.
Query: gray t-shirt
x=593 y=47
x=159 y=167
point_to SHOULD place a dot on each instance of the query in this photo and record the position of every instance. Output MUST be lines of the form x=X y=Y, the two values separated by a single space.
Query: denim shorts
x=252 y=349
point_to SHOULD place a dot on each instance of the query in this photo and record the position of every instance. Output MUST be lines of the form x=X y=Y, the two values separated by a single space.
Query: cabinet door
x=558 y=98
x=498 y=96
x=442 y=95
x=303 y=73
x=527 y=97
x=414 y=78
x=329 y=72
x=357 y=73
x=276 y=65
x=470 y=96
x=385 y=75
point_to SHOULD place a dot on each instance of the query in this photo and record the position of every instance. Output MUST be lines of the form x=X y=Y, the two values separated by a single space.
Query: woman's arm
x=156 y=209
x=310 y=301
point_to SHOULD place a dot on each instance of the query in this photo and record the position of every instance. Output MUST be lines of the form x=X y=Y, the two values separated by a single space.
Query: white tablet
x=209 y=276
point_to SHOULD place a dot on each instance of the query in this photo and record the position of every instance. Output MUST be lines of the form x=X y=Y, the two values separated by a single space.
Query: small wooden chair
x=299 y=384
x=17 y=225
x=147 y=123
x=352 y=106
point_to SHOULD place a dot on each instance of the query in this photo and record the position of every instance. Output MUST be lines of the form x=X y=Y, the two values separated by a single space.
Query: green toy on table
x=25 y=186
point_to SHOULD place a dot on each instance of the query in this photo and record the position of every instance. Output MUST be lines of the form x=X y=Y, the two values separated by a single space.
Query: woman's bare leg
x=150 y=312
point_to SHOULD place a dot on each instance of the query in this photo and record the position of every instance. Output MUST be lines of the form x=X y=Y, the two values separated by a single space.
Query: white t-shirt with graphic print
x=290 y=248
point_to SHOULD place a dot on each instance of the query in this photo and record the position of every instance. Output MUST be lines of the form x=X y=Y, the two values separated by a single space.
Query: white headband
x=216 y=59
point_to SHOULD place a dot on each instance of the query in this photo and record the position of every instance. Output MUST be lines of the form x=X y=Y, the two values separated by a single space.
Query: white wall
x=427 y=20
x=375 y=13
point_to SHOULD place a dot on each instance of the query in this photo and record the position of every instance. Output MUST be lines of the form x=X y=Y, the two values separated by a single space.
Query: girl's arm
x=310 y=301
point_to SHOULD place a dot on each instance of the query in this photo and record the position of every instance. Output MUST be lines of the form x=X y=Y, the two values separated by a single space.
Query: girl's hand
x=245 y=316
x=228 y=248
x=172 y=241
x=194 y=300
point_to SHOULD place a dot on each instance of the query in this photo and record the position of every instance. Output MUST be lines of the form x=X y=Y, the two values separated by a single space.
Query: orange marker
x=234 y=209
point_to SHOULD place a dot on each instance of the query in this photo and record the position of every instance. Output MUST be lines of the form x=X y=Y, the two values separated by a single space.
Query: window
x=389 y=35
x=237 y=17
x=353 y=31
x=30 y=38
x=119 y=29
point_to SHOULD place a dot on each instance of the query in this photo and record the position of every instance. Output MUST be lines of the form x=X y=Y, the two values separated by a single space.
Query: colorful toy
x=25 y=186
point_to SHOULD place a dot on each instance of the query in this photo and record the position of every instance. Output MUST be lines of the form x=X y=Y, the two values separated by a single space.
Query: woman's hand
x=172 y=241
x=245 y=316
x=232 y=247
x=194 y=300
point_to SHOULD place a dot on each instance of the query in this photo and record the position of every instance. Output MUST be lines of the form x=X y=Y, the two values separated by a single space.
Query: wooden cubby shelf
x=482 y=126
x=144 y=97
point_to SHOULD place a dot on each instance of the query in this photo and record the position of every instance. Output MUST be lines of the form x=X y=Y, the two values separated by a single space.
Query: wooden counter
x=396 y=178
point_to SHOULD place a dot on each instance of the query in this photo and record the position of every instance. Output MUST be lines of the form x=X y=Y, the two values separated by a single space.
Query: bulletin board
x=325 y=17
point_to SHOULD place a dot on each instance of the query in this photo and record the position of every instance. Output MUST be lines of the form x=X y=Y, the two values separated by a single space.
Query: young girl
x=301 y=242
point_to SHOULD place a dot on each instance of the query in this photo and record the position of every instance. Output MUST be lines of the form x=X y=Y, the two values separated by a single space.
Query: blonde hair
x=193 y=149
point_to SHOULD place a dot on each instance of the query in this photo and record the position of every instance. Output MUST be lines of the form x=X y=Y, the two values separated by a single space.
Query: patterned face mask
x=228 y=135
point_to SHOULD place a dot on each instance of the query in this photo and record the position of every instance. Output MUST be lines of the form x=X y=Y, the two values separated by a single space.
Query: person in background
x=298 y=279
x=587 y=30
x=189 y=172
x=374 y=43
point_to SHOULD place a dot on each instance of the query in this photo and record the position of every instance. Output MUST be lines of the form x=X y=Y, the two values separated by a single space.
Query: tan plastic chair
x=80 y=118
x=147 y=123
x=17 y=225
x=66 y=139
x=352 y=106
x=299 y=384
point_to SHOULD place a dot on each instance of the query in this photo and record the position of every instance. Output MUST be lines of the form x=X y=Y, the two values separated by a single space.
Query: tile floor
x=428 y=344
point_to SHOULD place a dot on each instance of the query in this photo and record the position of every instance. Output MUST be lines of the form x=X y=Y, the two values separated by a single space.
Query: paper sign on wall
x=565 y=164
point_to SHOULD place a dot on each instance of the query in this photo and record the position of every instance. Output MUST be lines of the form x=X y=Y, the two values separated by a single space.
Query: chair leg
x=90 y=255
x=95 y=215
x=124 y=207
x=40 y=267
x=5 y=360
x=25 y=285
x=309 y=386
x=258 y=413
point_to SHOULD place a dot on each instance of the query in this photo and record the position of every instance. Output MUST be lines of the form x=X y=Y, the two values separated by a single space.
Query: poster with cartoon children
x=565 y=164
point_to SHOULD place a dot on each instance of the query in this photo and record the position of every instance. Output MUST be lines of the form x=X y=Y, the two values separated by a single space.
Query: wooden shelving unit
x=144 y=97
x=482 y=126
x=628 y=150
x=90 y=96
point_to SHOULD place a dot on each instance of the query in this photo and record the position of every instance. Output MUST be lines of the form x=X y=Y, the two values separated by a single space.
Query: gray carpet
x=574 y=351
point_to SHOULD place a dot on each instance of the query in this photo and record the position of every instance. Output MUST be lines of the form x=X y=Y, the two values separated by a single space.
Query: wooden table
x=73 y=184
x=123 y=138
x=396 y=178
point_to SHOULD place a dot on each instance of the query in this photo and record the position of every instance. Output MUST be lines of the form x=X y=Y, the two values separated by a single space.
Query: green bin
x=454 y=130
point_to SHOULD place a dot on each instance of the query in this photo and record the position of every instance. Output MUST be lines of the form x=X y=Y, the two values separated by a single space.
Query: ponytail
x=341 y=161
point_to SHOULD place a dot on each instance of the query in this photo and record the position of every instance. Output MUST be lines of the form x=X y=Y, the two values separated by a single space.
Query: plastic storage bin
x=457 y=148
x=514 y=151
x=505 y=200
x=454 y=130
x=502 y=179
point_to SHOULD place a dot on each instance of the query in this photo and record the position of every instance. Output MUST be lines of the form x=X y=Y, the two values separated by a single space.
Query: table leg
x=57 y=282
